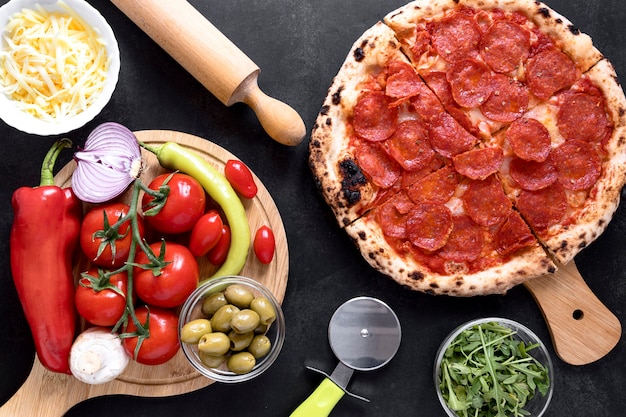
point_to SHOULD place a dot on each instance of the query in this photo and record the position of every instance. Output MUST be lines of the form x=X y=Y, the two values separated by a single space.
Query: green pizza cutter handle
x=321 y=401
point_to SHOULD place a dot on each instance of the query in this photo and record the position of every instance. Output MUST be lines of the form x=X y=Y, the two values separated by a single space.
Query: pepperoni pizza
x=469 y=145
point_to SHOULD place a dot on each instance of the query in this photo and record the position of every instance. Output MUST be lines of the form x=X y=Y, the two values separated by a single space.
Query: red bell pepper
x=44 y=236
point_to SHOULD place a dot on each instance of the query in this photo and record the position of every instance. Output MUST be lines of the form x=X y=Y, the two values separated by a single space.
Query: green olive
x=240 y=341
x=194 y=330
x=241 y=362
x=261 y=329
x=239 y=295
x=259 y=346
x=213 y=302
x=264 y=308
x=244 y=321
x=216 y=343
x=222 y=317
x=211 y=361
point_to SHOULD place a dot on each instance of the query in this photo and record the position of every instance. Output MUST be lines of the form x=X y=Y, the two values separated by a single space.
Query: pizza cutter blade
x=364 y=334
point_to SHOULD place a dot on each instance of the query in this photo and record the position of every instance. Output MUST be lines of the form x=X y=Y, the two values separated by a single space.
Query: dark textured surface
x=299 y=45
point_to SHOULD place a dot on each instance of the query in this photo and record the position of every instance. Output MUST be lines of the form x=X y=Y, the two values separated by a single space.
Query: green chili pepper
x=173 y=156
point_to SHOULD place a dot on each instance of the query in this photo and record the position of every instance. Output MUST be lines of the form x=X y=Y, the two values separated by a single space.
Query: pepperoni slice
x=478 y=164
x=513 y=234
x=409 y=145
x=550 y=71
x=583 y=116
x=463 y=119
x=465 y=243
x=470 y=82
x=578 y=165
x=508 y=100
x=447 y=136
x=402 y=81
x=456 y=37
x=529 y=139
x=485 y=202
x=505 y=46
x=373 y=119
x=402 y=202
x=438 y=82
x=429 y=225
x=410 y=177
x=543 y=208
x=377 y=165
x=391 y=216
x=531 y=175
x=421 y=43
x=426 y=104
x=437 y=187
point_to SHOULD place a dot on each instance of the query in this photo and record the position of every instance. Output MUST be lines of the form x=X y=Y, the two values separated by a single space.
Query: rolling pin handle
x=281 y=122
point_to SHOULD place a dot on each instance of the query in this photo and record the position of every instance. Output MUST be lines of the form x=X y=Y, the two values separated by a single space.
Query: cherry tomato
x=264 y=244
x=182 y=207
x=96 y=300
x=107 y=248
x=218 y=254
x=163 y=342
x=206 y=233
x=240 y=177
x=170 y=285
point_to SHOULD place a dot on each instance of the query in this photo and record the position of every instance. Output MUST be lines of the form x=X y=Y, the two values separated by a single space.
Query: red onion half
x=109 y=163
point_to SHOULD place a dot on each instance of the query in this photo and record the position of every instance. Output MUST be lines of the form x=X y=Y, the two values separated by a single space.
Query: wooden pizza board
x=48 y=394
x=582 y=329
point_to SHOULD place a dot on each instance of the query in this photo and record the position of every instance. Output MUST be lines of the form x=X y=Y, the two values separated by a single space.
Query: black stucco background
x=299 y=46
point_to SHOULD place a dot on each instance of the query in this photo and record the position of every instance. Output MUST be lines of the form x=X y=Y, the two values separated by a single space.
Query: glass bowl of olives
x=492 y=366
x=231 y=329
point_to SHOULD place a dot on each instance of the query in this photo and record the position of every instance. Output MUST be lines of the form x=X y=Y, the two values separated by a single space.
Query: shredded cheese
x=53 y=64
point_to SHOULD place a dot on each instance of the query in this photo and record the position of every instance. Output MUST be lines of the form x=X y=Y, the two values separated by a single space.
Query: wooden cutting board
x=582 y=329
x=47 y=394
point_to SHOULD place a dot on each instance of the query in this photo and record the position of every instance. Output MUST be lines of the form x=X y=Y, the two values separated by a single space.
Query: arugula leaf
x=487 y=372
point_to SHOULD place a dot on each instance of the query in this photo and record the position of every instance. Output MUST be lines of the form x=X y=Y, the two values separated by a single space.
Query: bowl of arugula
x=493 y=367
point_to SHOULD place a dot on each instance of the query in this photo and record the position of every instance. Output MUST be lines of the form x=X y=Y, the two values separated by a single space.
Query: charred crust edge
x=359 y=51
x=352 y=179
x=336 y=96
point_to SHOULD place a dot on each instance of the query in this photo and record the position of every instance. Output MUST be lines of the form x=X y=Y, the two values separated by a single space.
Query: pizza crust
x=402 y=268
x=598 y=211
x=578 y=45
x=332 y=164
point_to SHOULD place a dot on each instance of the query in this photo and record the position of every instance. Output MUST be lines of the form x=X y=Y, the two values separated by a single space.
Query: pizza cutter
x=364 y=334
x=216 y=62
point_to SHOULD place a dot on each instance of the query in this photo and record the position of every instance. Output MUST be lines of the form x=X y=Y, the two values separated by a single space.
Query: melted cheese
x=53 y=64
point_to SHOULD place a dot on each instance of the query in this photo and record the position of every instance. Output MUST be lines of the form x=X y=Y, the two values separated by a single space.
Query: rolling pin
x=212 y=59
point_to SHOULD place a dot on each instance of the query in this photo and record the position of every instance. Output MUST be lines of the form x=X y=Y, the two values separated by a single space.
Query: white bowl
x=10 y=112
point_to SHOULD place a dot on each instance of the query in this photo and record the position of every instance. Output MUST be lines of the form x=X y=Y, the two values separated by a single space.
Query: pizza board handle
x=582 y=329
x=216 y=62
